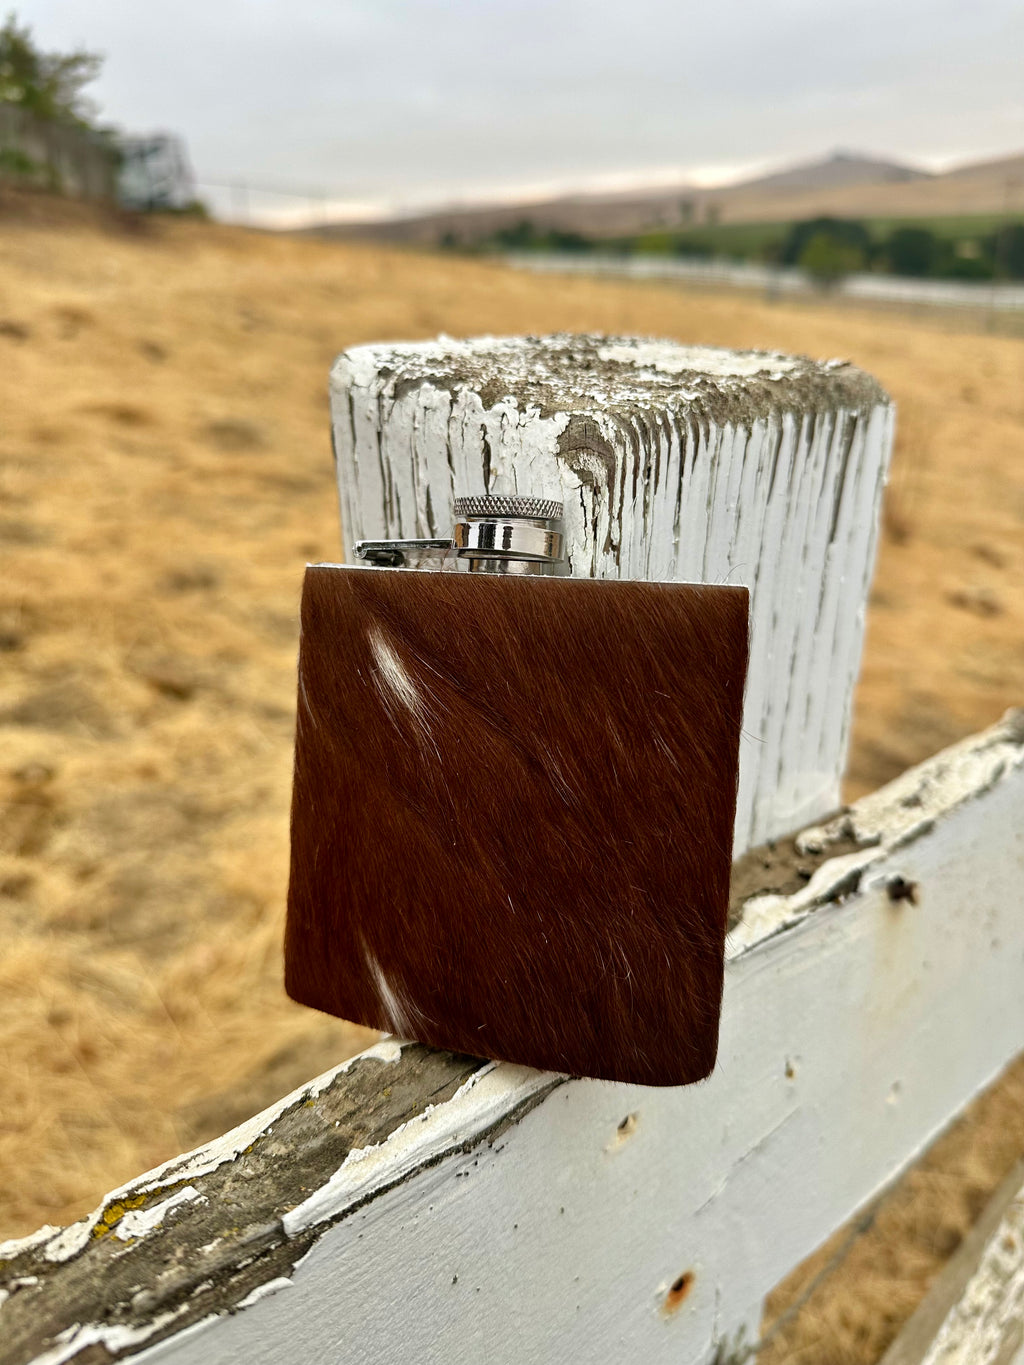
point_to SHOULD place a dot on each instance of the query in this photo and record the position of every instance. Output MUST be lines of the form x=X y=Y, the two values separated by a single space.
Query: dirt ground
x=165 y=473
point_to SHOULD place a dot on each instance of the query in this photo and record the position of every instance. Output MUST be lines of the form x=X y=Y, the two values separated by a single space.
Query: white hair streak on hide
x=391 y=675
x=399 y=1018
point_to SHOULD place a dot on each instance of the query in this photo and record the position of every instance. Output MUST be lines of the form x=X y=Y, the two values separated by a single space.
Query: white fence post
x=674 y=463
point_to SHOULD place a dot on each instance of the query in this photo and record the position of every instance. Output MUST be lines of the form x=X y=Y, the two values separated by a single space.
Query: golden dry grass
x=165 y=475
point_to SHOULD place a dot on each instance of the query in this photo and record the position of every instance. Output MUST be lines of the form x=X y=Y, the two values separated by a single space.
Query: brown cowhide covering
x=512 y=814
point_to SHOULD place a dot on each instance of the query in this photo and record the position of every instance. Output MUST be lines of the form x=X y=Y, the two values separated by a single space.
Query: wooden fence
x=415 y=1205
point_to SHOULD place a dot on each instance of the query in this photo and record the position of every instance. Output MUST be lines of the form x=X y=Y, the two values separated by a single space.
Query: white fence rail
x=415 y=1205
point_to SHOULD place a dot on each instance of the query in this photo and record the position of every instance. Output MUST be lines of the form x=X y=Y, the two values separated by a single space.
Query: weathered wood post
x=415 y=1205
x=674 y=463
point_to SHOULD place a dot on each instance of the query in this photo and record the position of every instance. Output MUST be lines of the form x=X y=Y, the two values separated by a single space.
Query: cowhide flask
x=512 y=814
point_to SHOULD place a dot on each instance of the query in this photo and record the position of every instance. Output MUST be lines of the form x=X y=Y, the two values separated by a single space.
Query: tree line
x=827 y=248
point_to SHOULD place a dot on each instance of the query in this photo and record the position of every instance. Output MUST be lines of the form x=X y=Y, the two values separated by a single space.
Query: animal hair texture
x=513 y=811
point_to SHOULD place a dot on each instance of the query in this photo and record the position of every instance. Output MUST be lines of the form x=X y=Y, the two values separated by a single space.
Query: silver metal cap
x=498 y=505
x=508 y=535
x=492 y=533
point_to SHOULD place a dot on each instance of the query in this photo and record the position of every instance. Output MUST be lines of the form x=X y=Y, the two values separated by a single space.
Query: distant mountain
x=843 y=184
x=978 y=187
x=833 y=172
x=1006 y=170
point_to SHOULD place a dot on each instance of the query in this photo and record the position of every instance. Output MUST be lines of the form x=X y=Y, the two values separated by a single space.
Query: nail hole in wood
x=899 y=889
x=679 y=1292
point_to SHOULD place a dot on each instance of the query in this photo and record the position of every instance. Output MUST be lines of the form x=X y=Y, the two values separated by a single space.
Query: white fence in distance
x=776 y=281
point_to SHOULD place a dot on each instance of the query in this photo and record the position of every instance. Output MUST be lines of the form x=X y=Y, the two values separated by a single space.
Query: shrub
x=911 y=251
x=843 y=232
x=1008 y=250
x=827 y=260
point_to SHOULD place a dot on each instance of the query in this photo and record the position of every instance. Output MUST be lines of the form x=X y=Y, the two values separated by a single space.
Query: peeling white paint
x=63 y=1244
x=264 y=1291
x=17 y=1245
x=113 y=1336
x=71 y=1241
x=764 y=916
x=480 y=1101
x=888 y=819
x=139 y=1222
x=208 y=1158
x=782 y=498
x=670 y=358
x=908 y=805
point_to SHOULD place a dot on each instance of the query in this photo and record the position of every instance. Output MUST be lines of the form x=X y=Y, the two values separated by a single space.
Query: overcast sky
x=397 y=102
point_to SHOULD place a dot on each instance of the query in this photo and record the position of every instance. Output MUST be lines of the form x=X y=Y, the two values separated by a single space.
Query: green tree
x=827 y=260
x=912 y=251
x=520 y=236
x=1008 y=250
x=526 y=236
x=50 y=85
x=843 y=232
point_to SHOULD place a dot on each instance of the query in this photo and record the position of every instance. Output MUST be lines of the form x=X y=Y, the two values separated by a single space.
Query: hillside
x=838 y=171
x=985 y=187
x=165 y=473
x=842 y=184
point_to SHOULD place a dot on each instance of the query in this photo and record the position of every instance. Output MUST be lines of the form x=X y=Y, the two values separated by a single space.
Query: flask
x=513 y=800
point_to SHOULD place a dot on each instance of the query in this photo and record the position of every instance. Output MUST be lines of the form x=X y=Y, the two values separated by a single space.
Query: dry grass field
x=165 y=473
